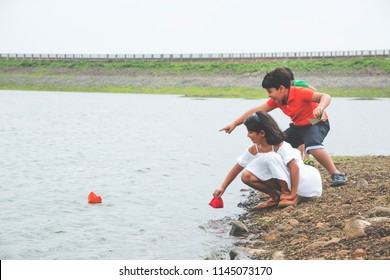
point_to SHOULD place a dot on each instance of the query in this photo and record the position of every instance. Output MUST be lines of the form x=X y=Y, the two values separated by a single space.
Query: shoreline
x=346 y=223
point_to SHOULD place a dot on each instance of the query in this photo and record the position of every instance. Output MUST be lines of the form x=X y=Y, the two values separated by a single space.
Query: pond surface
x=154 y=159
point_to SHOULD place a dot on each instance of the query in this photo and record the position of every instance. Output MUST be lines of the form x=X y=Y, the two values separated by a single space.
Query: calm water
x=154 y=159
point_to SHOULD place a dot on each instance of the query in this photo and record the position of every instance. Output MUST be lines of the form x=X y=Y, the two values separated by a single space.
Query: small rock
x=360 y=198
x=379 y=220
x=343 y=252
x=289 y=209
x=361 y=183
x=215 y=255
x=299 y=213
x=286 y=227
x=319 y=244
x=285 y=215
x=299 y=240
x=255 y=252
x=253 y=237
x=293 y=222
x=265 y=221
x=233 y=253
x=349 y=201
x=238 y=228
x=271 y=236
x=385 y=239
x=381 y=198
x=379 y=212
x=323 y=238
x=359 y=254
x=354 y=228
x=238 y=254
x=278 y=255
x=321 y=225
x=346 y=206
x=332 y=217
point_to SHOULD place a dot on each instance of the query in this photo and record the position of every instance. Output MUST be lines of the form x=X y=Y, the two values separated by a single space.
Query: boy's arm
x=323 y=101
x=229 y=178
x=229 y=128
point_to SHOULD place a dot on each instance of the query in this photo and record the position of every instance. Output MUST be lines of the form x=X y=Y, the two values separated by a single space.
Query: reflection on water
x=155 y=160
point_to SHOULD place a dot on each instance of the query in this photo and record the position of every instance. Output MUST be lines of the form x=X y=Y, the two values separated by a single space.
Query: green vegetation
x=59 y=75
x=226 y=92
x=348 y=65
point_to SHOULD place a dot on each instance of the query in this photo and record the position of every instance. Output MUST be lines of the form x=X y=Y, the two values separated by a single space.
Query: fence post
x=203 y=56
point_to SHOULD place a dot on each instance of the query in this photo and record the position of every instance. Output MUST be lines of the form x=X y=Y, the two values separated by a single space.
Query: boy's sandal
x=287 y=202
x=269 y=203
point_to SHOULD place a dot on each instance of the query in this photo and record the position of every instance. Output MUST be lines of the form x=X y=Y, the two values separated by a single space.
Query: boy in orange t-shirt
x=305 y=107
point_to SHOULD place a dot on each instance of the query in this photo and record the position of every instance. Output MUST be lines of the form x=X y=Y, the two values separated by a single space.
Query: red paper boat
x=216 y=202
x=93 y=198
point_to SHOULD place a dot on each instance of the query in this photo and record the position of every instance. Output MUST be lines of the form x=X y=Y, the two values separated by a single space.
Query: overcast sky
x=192 y=26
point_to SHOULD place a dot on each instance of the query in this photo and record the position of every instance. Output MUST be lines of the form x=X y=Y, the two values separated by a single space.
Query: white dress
x=266 y=166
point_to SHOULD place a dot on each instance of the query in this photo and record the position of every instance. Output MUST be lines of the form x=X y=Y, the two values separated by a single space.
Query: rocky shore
x=350 y=222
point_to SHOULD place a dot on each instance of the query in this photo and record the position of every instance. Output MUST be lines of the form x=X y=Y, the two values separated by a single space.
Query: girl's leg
x=283 y=186
x=269 y=187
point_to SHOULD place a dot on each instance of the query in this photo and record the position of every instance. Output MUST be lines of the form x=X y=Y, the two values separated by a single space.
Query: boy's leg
x=293 y=136
x=322 y=156
x=313 y=137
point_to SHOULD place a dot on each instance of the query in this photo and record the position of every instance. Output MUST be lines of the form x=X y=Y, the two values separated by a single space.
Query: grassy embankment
x=31 y=75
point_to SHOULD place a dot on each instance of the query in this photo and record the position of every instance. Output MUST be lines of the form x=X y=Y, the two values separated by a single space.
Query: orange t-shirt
x=299 y=105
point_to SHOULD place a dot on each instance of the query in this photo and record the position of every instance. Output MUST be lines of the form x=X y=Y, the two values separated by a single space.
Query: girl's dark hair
x=263 y=121
x=276 y=78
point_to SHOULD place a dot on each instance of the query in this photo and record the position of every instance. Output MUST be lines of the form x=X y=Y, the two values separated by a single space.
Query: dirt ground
x=326 y=227
x=130 y=77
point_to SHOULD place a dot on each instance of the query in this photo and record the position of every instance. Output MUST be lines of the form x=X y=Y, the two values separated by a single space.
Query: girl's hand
x=218 y=192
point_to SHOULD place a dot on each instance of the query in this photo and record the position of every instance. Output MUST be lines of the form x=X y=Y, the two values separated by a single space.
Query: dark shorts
x=310 y=135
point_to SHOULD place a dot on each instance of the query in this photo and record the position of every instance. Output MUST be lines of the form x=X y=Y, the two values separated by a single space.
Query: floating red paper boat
x=216 y=202
x=93 y=198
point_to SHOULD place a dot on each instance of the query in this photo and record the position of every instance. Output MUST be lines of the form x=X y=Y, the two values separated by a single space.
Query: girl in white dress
x=272 y=166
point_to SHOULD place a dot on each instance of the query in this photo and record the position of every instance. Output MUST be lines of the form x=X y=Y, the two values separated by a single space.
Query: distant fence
x=200 y=56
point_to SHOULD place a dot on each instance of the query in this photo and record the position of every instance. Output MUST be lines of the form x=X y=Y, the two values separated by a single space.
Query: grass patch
x=357 y=92
x=228 y=92
x=46 y=70
x=348 y=65
x=223 y=92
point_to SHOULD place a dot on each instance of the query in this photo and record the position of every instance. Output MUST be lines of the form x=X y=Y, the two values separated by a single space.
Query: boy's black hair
x=276 y=78
x=290 y=72
x=263 y=121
